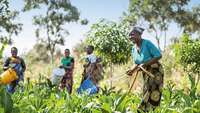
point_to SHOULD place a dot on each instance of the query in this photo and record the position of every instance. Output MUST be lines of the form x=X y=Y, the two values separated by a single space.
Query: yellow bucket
x=8 y=76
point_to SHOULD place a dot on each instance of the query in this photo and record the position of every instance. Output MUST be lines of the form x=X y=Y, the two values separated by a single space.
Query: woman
x=19 y=65
x=146 y=55
x=68 y=64
x=92 y=67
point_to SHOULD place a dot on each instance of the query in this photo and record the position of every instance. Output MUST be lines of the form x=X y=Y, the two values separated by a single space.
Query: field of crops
x=41 y=97
x=171 y=25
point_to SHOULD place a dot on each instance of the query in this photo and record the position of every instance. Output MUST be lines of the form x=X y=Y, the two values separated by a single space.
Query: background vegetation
x=181 y=58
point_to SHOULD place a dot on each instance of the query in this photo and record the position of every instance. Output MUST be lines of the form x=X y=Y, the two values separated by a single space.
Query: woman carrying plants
x=92 y=66
x=93 y=73
x=146 y=55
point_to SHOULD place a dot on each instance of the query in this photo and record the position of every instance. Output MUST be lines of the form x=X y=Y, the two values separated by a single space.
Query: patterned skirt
x=152 y=88
x=67 y=81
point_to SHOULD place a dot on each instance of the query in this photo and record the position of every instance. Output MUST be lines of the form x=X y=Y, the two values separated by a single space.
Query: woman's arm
x=70 y=67
x=152 y=61
x=149 y=63
x=72 y=64
x=23 y=65
x=6 y=64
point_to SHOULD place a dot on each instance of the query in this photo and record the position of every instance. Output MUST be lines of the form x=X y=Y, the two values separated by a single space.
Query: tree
x=110 y=41
x=7 y=25
x=188 y=55
x=38 y=53
x=189 y=20
x=58 y=13
x=157 y=13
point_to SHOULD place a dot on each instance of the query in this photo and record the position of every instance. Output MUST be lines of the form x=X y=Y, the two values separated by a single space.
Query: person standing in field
x=145 y=54
x=92 y=67
x=19 y=65
x=67 y=62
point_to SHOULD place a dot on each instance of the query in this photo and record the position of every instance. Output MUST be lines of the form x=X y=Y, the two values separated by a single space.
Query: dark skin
x=89 y=50
x=67 y=53
x=14 y=54
x=135 y=37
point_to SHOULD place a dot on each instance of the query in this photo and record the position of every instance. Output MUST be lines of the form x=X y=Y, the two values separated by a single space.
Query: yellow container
x=8 y=76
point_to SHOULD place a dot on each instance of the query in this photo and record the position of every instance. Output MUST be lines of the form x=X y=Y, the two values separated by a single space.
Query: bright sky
x=93 y=10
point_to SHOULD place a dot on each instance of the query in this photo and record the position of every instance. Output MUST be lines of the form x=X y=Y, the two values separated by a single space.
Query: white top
x=91 y=58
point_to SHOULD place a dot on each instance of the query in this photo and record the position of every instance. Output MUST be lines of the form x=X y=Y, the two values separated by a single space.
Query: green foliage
x=7 y=18
x=8 y=26
x=110 y=41
x=177 y=101
x=40 y=98
x=6 y=103
x=4 y=44
x=187 y=53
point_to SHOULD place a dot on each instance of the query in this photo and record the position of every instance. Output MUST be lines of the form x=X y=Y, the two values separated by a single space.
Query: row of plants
x=42 y=97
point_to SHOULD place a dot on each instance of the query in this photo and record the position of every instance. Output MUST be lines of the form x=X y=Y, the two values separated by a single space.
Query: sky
x=93 y=10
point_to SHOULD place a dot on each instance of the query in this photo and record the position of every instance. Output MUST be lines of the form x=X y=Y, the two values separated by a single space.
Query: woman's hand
x=61 y=66
x=85 y=65
x=131 y=71
x=65 y=67
x=5 y=67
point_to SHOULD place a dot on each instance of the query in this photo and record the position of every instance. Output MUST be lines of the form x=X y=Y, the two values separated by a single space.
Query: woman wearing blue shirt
x=145 y=54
